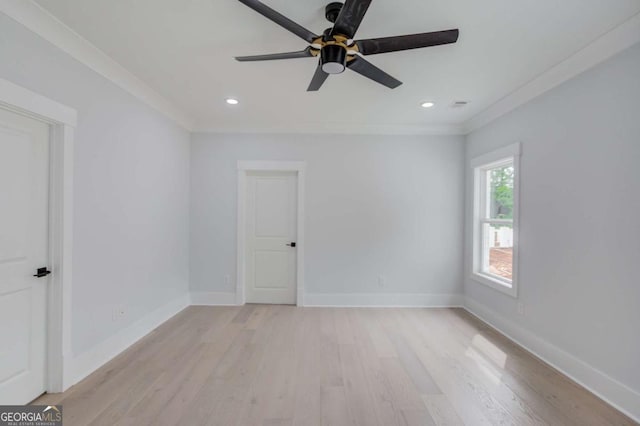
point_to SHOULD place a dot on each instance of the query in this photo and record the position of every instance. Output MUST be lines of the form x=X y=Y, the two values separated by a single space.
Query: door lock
x=42 y=272
x=292 y=244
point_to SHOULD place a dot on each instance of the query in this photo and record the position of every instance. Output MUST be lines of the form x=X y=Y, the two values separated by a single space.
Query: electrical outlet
x=520 y=308
x=381 y=281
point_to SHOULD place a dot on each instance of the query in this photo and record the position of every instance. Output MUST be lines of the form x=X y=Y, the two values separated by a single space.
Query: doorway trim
x=62 y=121
x=274 y=166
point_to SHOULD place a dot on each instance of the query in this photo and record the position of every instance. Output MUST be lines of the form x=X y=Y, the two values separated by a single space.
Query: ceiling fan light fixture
x=333 y=59
x=333 y=67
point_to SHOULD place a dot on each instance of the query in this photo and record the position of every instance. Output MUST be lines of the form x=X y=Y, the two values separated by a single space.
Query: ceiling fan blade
x=318 y=79
x=350 y=17
x=367 y=69
x=306 y=53
x=280 y=19
x=374 y=46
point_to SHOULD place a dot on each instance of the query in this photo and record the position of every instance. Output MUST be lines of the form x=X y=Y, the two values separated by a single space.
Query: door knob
x=42 y=272
x=291 y=244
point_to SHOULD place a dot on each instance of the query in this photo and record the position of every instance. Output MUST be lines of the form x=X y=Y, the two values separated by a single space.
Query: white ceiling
x=184 y=49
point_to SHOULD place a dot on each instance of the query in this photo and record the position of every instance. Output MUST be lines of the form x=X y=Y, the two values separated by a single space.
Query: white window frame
x=479 y=165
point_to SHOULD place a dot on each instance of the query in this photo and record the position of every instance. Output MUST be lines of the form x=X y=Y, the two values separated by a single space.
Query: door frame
x=244 y=167
x=62 y=121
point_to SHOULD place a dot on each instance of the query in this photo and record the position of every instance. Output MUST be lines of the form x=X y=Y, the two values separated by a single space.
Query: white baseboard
x=380 y=300
x=605 y=387
x=212 y=298
x=383 y=300
x=89 y=361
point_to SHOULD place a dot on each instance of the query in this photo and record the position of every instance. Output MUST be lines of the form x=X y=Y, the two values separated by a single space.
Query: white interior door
x=24 y=177
x=271 y=224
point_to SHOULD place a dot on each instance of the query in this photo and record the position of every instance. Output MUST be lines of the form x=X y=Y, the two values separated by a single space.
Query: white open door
x=24 y=177
x=271 y=215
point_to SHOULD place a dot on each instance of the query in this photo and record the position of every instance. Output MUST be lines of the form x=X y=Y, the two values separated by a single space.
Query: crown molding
x=35 y=18
x=337 y=128
x=614 y=41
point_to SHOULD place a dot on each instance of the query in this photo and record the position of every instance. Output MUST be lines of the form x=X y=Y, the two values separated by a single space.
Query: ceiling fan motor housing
x=333 y=58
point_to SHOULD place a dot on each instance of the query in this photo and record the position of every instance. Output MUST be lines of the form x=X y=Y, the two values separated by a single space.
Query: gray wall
x=375 y=205
x=131 y=189
x=580 y=206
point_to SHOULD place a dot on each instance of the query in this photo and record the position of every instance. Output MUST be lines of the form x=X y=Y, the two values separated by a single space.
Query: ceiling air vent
x=459 y=104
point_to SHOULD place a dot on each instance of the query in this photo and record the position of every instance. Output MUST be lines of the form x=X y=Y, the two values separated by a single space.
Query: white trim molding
x=618 y=39
x=338 y=129
x=282 y=166
x=352 y=300
x=26 y=102
x=384 y=300
x=60 y=255
x=89 y=361
x=615 y=393
x=279 y=166
x=47 y=26
x=61 y=120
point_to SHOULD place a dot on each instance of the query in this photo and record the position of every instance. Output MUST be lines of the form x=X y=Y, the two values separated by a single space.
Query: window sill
x=495 y=284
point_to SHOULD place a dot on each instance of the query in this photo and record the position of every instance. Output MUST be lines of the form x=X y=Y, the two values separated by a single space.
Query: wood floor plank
x=441 y=410
x=472 y=362
x=462 y=395
x=329 y=352
x=547 y=388
x=277 y=422
x=381 y=343
x=307 y=409
x=220 y=399
x=185 y=382
x=101 y=388
x=272 y=393
x=244 y=313
x=404 y=393
x=357 y=392
x=417 y=418
x=377 y=381
x=416 y=370
x=492 y=360
x=282 y=365
x=334 y=410
x=140 y=350
x=501 y=404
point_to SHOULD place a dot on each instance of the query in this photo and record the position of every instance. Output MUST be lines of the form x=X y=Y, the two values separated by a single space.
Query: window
x=495 y=227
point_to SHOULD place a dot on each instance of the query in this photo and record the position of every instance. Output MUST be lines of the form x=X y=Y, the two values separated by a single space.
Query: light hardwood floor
x=282 y=365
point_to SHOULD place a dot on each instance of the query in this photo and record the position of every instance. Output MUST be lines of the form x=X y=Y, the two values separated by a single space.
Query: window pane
x=497 y=253
x=500 y=186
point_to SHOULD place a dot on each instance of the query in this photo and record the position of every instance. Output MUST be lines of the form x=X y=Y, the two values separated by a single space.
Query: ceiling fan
x=337 y=48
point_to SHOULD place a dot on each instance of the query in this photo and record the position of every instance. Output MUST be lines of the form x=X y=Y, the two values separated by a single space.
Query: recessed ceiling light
x=232 y=101
x=427 y=104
